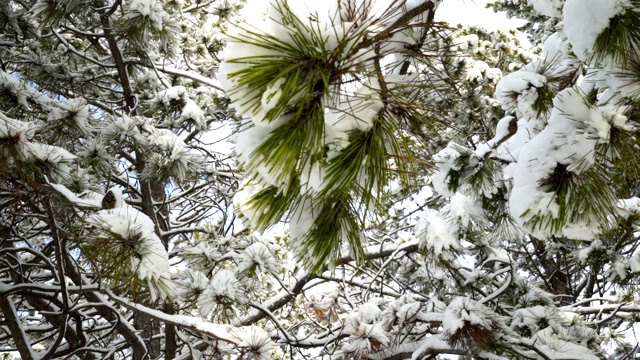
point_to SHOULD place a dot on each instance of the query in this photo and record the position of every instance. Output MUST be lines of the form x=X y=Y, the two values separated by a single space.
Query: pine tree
x=106 y=97
x=394 y=188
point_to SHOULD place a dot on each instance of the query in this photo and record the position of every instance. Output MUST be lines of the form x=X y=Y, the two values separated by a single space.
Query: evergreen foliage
x=284 y=180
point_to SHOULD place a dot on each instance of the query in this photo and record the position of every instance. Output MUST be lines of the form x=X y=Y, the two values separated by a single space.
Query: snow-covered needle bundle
x=129 y=236
x=563 y=134
x=322 y=136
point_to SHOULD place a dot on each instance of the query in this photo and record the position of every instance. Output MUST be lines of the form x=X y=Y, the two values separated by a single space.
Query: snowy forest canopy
x=222 y=179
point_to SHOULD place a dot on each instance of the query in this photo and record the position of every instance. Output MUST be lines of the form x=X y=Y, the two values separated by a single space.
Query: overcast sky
x=467 y=12
x=470 y=12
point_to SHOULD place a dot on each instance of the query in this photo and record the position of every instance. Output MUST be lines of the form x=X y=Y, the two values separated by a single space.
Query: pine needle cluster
x=114 y=265
x=303 y=76
x=620 y=37
x=584 y=198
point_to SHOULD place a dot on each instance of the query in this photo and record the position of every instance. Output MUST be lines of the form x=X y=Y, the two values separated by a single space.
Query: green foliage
x=139 y=28
x=293 y=145
x=502 y=225
x=624 y=164
x=272 y=204
x=307 y=73
x=483 y=179
x=113 y=265
x=52 y=12
x=544 y=101
x=581 y=198
x=303 y=67
x=620 y=36
x=9 y=100
x=558 y=79
x=335 y=223
x=372 y=216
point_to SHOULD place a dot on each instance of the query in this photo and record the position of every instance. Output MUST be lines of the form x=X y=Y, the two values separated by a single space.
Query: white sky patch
x=465 y=12
x=475 y=13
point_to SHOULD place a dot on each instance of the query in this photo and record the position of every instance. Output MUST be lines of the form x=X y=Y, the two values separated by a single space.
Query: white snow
x=446 y=160
x=151 y=9
x=21 y=130
x=464 y=311
x=74 y=198
x=438 y=233
x=75 y=110
x=150 y=260
x=301 y=222
x=511 y=86
x=224 y=289
x=551 y=8
x=364 y=338
x=242 y=201
x=178 y=95
x=258 y=255
x=584 y=20
x=570 y=139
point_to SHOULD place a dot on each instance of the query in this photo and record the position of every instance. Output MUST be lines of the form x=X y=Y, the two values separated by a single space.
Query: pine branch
x=428 y=5
x=16 y=330
x=129 y=97
x=305 y=278
x=108 y=312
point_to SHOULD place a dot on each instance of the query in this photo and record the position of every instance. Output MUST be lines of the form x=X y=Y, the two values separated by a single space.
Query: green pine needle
x=581 y=198
x=272 y=204
x=292 y=145
x=544 y=102
x=114 y=265
x=307 y=74
x=335 y=224
x=621 y=38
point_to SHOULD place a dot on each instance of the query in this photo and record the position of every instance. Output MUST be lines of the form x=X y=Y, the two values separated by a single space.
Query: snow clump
x=585 y=20
x=149 y=260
